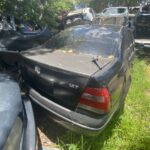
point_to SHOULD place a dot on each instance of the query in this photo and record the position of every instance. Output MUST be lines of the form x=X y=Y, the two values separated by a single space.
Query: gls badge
x=74 y=86
x=37 y=69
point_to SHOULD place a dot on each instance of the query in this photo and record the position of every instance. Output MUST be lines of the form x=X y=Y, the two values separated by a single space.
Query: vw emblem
x=37 y=69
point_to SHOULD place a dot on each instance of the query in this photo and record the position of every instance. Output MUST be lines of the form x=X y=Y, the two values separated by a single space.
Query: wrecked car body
x=142 y=25
x=81 y=76
x=19 y=36
x=17 y=123
x=77 y=17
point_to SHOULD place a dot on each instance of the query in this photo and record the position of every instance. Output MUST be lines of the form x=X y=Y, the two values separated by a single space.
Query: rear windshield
x=114 y=11
x=98 y=41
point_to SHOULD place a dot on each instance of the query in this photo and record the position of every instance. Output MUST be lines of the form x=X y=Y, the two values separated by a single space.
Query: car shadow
x=48 y=131
x=91 y=142
x=54 y=134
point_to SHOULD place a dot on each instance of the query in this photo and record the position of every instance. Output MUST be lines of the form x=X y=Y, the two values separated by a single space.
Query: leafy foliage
x=43 y=11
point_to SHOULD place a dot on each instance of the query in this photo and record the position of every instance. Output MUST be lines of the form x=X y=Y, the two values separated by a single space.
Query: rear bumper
x=72 y=120
x=142 y=44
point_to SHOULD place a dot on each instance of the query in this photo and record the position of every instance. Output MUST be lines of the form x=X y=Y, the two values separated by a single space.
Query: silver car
x=114 y=11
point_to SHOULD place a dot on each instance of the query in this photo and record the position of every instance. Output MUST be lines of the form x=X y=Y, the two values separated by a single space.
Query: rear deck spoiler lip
x=141 y=44
x=88 y=126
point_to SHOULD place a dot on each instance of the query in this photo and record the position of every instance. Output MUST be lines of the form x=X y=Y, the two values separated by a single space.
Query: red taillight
x=96 y=100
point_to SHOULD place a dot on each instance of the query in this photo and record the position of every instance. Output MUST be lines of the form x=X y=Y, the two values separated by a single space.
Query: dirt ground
x=48 y=130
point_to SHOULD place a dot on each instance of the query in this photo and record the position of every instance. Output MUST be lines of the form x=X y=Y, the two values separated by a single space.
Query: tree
x=42 y=11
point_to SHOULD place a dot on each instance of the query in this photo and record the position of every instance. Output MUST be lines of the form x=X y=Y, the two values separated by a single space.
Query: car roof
x=78 y=11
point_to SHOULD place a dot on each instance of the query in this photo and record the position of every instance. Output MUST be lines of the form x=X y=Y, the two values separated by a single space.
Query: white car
x=114 y=11
x=87 y=13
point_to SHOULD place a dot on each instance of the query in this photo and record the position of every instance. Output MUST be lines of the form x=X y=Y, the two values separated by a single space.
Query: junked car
x=132 y=14
x=16 y=35
x=88 y=13
x=17 y=125
x=142 y=29
x=81 y=75
x=114 y=11
x=142 y=22
x=76 y=17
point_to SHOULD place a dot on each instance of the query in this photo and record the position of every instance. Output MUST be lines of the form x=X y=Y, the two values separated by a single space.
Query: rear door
x=118 y=83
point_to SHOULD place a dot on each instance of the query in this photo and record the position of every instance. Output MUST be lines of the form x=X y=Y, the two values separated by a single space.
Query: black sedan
x=142 y=22
x=142 y=30
x=82 y=75
x=17 y=126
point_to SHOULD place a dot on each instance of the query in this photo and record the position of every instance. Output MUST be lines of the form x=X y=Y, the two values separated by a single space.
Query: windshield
x=97 y=41
x=114 y=11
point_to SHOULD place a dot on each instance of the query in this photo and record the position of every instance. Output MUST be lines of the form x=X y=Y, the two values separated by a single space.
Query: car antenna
x=95 y=59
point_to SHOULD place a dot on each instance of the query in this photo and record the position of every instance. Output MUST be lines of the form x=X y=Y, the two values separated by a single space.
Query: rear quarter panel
x=115 y=76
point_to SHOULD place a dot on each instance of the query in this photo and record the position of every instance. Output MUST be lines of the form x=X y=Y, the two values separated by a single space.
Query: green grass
x=131 y=130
